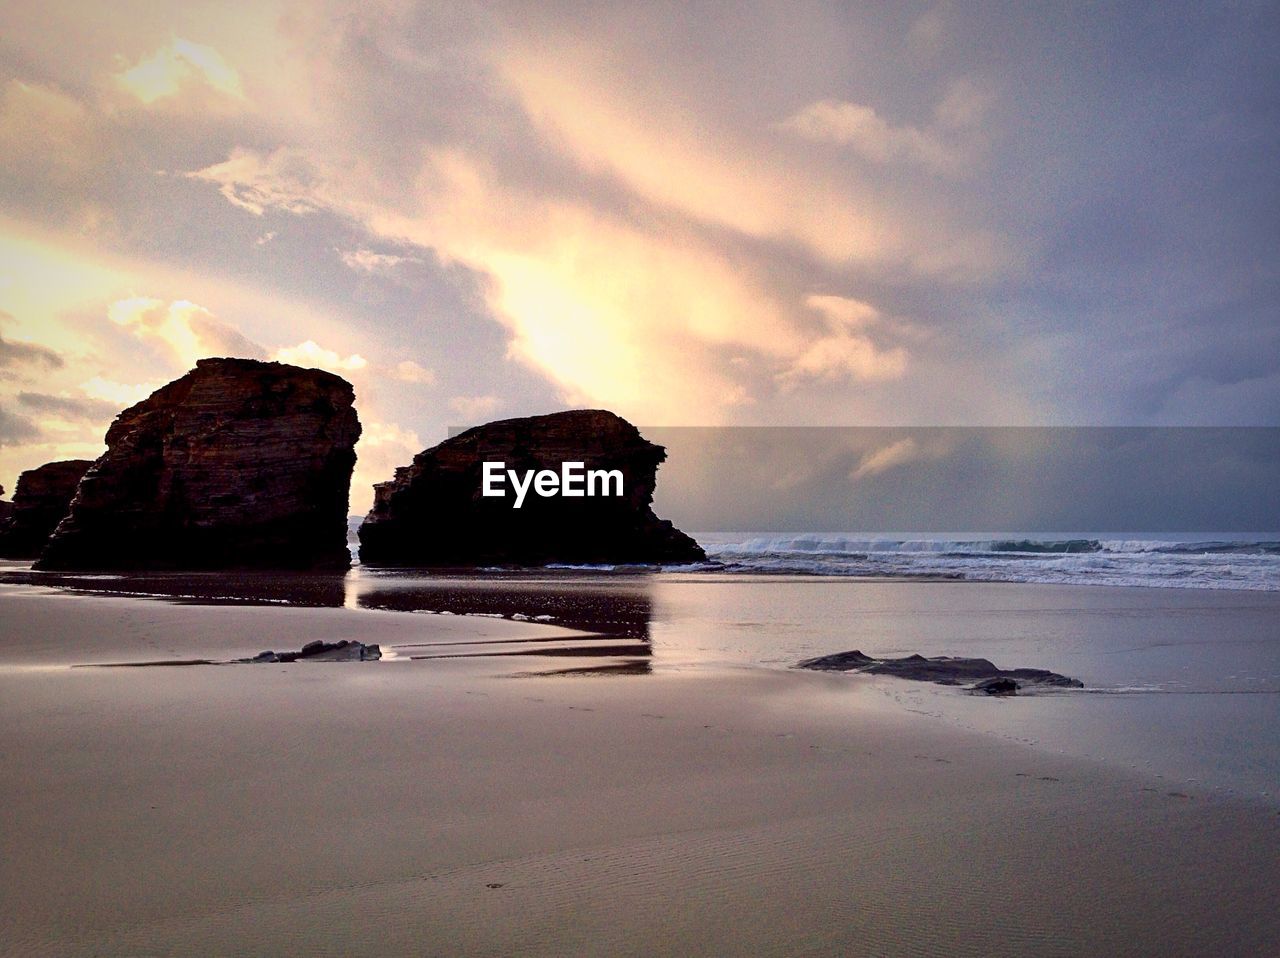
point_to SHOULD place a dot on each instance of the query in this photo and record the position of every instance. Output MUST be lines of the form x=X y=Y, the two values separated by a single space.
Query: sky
x=693 y=214
x=1056 y=481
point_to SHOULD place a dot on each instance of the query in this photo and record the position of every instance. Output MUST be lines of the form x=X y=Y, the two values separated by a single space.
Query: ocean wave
x=841 y=544
x=1252 y=564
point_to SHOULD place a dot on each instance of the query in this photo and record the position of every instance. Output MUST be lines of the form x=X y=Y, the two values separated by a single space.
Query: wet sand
x=476 y=806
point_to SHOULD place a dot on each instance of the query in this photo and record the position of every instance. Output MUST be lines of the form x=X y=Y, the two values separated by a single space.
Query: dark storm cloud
x=15 y=429
x=14 y=354
x=69 y=407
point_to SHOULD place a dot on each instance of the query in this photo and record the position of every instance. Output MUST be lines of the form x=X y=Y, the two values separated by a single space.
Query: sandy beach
x=471 y=806
x=673 y=480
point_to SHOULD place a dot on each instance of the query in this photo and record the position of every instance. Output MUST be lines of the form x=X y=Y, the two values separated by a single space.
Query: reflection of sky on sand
x=608 y=605
x=1185 y=683
x=583 y=618
x=609 y=618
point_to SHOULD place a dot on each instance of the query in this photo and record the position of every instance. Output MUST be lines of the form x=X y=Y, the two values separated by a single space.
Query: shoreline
x=1140 y=688
x=13 y=573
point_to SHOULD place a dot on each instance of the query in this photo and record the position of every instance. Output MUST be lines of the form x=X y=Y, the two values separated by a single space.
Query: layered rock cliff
x=238 y=464
x=41 y=500
x=433 y=513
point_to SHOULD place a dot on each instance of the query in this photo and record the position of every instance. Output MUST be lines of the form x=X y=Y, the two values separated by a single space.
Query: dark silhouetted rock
x=1002 y=685
x=41 y=500
x=942 y=669
x=433 y=514
x=345 y=651
x=238 y=464
x=6 y=508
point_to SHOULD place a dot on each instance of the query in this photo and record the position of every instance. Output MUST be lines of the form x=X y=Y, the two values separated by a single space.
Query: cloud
x=216 y=338
x=311 y=354
x=120 y=394
x=16 y=430
x=367 y=261
x=631 y=259
x=964 y=107
x=179 y=65
x=474 y=408
x=410 y=372
x=72 y=408
x=922 y=446
x=893 y=455
x=673 y=161
x=840 y=355
x=587 y=297
x=843 y=311
x=389 y=433
x=618 y=195
x=285 y=179
x=927 y=34
x=942 y=147
x=15 y=353
x=845 y=351
x=383 y=447
x=47 y=132
x=187 y=330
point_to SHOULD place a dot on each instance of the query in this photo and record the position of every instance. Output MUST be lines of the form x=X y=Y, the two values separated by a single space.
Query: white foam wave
x=1246 y=563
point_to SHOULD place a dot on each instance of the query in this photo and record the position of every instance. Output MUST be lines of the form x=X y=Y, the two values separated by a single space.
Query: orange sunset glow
x=834 y=218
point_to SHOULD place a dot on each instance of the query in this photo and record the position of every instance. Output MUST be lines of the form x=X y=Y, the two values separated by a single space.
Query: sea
x=1194 y=561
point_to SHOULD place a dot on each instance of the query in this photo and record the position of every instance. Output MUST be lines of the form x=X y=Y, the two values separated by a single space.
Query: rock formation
x=346 y=650
x=41 y=500
x=238 y=464
x=1000 y=685
x=944 y=670
x=433 y=513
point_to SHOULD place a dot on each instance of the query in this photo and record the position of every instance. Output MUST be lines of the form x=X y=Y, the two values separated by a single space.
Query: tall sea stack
x=433 y=513
x=238 y=464
x=41 y=500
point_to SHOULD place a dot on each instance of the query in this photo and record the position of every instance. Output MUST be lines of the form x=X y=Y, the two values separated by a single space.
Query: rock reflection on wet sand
x=610 y=618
